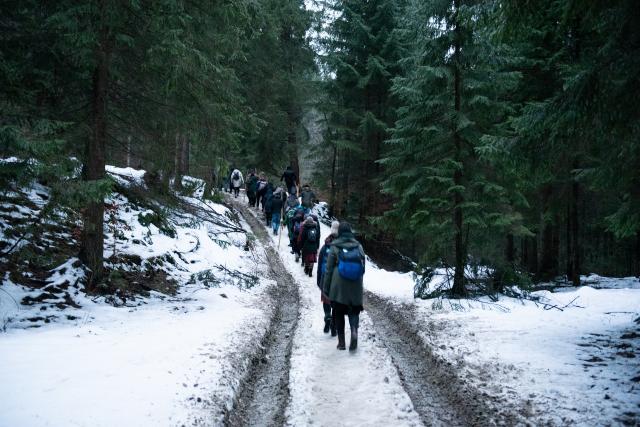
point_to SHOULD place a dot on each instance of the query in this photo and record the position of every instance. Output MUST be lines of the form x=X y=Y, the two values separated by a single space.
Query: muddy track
x=438 y=394
x=264 y=392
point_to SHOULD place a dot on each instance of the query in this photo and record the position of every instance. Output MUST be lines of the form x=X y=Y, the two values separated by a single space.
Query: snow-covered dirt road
x=392 y=379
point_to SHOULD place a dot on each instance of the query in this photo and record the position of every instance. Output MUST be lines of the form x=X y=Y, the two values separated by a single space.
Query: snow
x=143 y=366
x=545 y=355
x=331 y=387
x=572 y=356
x=159 y=360
x=126 y=176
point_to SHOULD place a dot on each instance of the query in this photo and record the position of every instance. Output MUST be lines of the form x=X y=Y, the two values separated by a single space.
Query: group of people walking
x=340 y=261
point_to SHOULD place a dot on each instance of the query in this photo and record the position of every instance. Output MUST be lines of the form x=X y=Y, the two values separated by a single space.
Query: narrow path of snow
x=331 y=387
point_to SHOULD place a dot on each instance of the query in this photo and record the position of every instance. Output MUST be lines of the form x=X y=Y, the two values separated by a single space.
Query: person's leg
x=327 y=317
x=354 y=323
x=340 y=325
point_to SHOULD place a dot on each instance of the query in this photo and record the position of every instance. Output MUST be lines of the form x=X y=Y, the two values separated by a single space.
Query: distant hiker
x=277 y=208
x=343 y=282
x=236 y=181
x=309 y=242
x=252 y=184
x=292 y=202
x=307 y=197
x=268 y=203
x=329 y=317
x=261 y=189
x=296 y=228
x=290 y=179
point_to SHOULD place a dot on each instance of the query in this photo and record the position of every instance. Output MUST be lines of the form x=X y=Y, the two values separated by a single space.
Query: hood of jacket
x=345 y=242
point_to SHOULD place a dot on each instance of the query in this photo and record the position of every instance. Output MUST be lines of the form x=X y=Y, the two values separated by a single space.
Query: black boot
x=341 y=344
x=327 y=326
x=333 y=328
x=354 y=339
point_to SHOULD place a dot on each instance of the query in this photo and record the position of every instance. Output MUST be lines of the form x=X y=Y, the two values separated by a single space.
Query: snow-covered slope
x=169 y=348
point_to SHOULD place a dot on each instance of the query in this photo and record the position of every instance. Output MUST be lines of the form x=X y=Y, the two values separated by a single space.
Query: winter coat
x=292 y=202
x=261 y=187
x=338 y=289
x=322 y=258
x=252 y=184
x=304 y=244
x=277 y=202
x=268 y=199
x=236 y=182
x=307 y=198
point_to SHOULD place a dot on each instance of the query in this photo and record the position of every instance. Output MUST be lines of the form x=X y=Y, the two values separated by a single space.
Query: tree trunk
x=549 y=257
x=92 y=245
x=510 y=250
x=459 y=288
x=184 y=158
x=177 y=164
x=575 y=228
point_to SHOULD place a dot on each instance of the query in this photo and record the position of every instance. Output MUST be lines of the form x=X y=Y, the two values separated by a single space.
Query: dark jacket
x=289 y=177
x=303 y=240
x=341 y=290
x=268 y=198
x=252 y=183
x=322 y=255
x=307 y=198
x=277 y=203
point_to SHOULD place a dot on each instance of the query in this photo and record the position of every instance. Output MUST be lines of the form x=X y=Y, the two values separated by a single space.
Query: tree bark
x=459 y=288
x=92 y=244
x=510 y=250
x=549 y=257
x=177 y=164
x=574 y=231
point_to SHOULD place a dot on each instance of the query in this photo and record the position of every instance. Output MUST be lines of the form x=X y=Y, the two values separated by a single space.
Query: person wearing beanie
x=309 y=242
x=329 y=315
x=342 y=282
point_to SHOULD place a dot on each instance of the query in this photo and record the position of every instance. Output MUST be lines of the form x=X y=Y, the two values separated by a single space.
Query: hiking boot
x=333 y=330
x=353 y=344
x=341 y=344
x=297 y=257
x=327 y=326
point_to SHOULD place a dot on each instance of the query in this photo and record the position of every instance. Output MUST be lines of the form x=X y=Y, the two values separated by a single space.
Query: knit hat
x=344 y=228
x=334 y=227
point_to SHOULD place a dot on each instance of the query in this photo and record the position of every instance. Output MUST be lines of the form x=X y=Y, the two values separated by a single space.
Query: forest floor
x=226 y=329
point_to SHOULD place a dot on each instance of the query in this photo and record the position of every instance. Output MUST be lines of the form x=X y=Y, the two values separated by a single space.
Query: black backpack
x=312 y=235
x=236 y=175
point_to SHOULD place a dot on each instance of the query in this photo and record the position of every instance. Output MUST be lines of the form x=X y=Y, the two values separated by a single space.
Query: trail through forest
x=392 y=379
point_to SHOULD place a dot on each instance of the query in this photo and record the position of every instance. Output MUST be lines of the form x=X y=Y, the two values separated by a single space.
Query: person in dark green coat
x=345 y=294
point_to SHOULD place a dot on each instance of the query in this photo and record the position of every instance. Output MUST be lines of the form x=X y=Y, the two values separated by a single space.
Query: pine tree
x=452 y=95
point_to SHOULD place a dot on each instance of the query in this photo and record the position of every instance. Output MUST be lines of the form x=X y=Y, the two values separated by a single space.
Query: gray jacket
x=338 y=289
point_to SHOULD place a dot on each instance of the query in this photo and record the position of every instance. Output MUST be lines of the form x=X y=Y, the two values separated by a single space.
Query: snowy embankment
x=574 y=356
x=159 y=358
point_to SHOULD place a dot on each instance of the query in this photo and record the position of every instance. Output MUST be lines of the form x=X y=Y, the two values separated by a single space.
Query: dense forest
x=462 y=133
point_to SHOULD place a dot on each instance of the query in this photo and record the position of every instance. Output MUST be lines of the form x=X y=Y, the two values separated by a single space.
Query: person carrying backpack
x=309 y=242
x=296 y=228
x=290 y=179
x=261 y=189
x=236 y=181
x=292 y=202
x=329 y=316
x=307 y=197
x=268 y=203
x=252 y=182
x=277 y=207
x=342 y=282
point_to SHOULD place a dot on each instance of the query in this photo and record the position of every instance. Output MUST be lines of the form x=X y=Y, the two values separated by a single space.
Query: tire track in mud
x=263 y=394
x=438 y=394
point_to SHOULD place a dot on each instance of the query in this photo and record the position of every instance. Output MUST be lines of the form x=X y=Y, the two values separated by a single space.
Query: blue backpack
x=350 y=264
x=323 y=266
